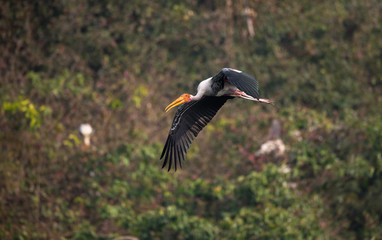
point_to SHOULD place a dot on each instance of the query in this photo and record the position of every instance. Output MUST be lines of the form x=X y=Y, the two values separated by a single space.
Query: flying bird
x=196 y=111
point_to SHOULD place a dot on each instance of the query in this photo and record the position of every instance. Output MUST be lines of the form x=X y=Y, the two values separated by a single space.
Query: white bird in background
x=86 y=130
x=274 y=144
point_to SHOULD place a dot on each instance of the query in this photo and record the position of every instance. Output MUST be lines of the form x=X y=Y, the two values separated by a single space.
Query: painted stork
x=196 y=111
x=86 y=131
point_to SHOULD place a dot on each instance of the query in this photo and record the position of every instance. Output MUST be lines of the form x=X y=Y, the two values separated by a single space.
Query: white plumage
x=86 y=130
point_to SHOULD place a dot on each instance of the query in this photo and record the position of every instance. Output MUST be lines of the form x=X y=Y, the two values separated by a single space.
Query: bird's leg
x=241 y=94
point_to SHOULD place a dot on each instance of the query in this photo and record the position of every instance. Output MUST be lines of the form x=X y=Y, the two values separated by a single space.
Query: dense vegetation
x=116 y=64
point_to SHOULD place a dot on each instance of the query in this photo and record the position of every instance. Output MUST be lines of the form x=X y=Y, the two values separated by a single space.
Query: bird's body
x=196 y=111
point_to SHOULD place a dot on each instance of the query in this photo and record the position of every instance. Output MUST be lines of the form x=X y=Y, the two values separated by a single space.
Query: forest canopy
x=117 y=64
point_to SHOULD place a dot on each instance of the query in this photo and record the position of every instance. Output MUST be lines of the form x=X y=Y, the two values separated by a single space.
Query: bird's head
x=184 y=98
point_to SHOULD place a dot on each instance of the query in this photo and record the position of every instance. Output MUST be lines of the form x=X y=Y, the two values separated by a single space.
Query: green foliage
x=85 y=231
x=117 y=64
x=269 y=202
x=173 y=223
x=140 y=92
x=338 y=161
x=72 y=141
x=22 y=113
x=263 y=187
x=273 y=223
x=66 y=81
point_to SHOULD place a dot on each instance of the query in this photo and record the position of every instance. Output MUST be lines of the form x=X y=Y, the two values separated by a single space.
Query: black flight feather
x=189 y=120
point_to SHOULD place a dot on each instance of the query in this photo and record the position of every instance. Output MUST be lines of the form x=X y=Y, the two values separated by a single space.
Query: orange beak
x=180 y=100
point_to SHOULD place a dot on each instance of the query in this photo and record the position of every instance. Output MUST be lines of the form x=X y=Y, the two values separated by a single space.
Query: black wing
x=242 y=81
x=189 y=120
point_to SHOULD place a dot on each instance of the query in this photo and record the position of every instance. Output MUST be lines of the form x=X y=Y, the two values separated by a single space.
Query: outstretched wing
x=189 y=120
x=242 y=81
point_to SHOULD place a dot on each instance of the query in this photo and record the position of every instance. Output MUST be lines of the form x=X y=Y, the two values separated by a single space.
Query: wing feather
x=189 y=120
x=242 y=81
x=166 y=149
x=180 y=157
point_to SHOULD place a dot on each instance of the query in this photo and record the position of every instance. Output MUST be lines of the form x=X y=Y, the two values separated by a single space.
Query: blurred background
x=117 y=64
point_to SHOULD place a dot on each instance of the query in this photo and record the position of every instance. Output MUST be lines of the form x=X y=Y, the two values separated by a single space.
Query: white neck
x=204 y=89
x=87 y=140
x=198 y=96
